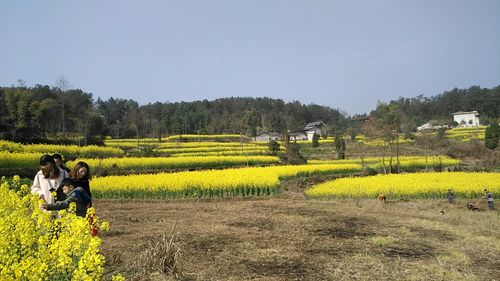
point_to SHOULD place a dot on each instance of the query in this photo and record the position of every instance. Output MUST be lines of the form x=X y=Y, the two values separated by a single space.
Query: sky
x=348 y=55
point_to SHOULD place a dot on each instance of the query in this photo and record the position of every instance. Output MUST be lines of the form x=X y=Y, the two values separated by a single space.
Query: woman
x=81 y=176
x=48 y=180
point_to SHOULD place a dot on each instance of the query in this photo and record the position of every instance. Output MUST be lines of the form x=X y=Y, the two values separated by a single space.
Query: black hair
x=67 y=182
x=47 y=159
x=57 y=156
x=78 y=165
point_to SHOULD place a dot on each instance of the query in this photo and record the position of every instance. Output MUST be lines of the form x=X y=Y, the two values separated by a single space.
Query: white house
x=266 y=136
x=429 y=126
x=317 y=127
x=297 y=136
x=466 y=119
x=426 y=126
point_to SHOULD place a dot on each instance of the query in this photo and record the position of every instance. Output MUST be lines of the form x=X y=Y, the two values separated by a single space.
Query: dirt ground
x=291 y=238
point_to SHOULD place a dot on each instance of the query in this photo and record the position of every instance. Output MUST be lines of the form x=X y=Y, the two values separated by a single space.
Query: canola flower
x=380 y=142
x=144 y=163
x=133 y=143
x=212 y=144
x=416 y=185
x=256 y=181
x=461 y=134
x=17 y=160
x=224 y=137
x=67 y=150
x=461 y=129
x=34 y=246
x=466 y=134
x=406 y=162
x=246 y=152
x=211 y=149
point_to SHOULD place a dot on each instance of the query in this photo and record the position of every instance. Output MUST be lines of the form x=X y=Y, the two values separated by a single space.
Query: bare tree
x=63 y=85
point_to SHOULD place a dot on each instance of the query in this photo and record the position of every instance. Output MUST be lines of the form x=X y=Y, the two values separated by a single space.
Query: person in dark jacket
x=489 y=198
x=73 y=194
x=81 y=176
x=451 y=196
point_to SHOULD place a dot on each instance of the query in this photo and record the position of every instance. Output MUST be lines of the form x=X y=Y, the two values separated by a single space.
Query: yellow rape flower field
x=417 y=185
x=81 y=151
x=345 y=233
x=175 y=150
x=233 y=152
x=214 y=183
x=406 y=162
x=190 y=162
x=10 y=160
x=165 y=144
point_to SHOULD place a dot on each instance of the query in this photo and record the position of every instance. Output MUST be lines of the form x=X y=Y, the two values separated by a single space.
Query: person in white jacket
x=48 y=179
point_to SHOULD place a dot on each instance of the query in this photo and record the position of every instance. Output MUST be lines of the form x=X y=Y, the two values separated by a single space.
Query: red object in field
x=381 y=197
x=93 y=225
x=94 y=231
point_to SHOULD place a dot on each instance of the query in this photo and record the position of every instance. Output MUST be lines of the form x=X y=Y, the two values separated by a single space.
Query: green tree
x=392 y=118
x=352 y=133
x=293 y=155
x=441 y=132
x=315 y=140
x=339 y=143
x=274 y=147
x=116 y=112
x=491 y=138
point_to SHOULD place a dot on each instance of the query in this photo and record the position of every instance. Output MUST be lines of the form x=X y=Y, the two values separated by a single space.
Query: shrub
x=274 y=147
x=161 y=255
x=315 y=140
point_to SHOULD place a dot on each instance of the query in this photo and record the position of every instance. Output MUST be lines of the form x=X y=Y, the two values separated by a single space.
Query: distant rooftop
x=466 y=112
x=313 y=124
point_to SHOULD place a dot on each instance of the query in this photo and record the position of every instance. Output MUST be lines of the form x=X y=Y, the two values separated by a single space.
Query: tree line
x=413 y=112
x=42 y=113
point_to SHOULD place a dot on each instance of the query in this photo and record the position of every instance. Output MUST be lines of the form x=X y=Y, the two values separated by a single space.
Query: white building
x=429 y=126
x=426 y=126
x=299 y=136
x=266 y=136
x=317 y=127
x=466 y=119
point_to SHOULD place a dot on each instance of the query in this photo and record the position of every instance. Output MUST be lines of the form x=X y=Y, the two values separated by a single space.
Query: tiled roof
x=313 y=124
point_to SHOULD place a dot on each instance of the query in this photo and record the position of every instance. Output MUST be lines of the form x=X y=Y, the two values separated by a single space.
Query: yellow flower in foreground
x=35 y=246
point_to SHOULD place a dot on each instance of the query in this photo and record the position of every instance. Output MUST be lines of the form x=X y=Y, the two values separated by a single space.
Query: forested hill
x=40 y=112
x=32 y=114
x=416 y=111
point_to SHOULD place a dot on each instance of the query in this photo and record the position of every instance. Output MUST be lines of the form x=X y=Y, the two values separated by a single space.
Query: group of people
x=488 y=196
x=58 y=186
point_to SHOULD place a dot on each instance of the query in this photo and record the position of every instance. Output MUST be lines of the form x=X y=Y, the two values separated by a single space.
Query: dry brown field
x=289 y=237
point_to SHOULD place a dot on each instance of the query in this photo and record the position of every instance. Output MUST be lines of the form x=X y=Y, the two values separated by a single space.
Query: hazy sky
x=343 y=54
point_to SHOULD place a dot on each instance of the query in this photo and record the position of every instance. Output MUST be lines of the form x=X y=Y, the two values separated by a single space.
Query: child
x=77 y=195
x=489 y=198
x=451 y=196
